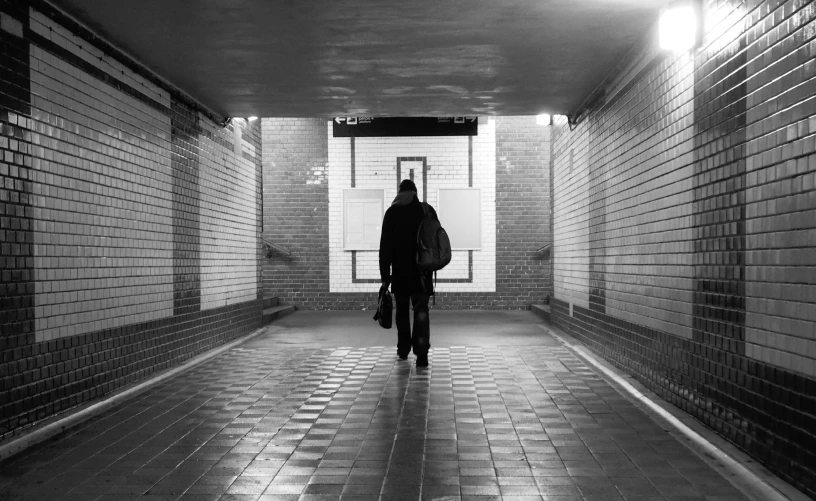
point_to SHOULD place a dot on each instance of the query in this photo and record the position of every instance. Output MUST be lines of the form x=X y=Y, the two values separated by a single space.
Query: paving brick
x=277 y=420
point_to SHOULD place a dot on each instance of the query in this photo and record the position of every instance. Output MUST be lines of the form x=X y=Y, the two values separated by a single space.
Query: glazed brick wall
x=296 y=212
x=229 y=222
x=112 y=193
x=684 y=222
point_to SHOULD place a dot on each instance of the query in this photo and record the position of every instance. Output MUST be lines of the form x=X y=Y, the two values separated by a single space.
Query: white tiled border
x=375 y=167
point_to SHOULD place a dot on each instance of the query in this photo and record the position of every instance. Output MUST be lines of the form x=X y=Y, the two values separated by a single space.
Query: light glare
x=543 y=119
x=678 y=28
x=251 y=119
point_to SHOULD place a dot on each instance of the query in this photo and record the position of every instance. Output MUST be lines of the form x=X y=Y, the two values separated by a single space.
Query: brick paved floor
x=264 y=423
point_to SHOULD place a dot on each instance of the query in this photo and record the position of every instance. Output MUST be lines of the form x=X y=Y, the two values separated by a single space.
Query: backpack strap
x=425 y=211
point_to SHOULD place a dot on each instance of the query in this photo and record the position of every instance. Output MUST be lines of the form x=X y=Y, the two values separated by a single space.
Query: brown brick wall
x=522 y=211
x=296 y=210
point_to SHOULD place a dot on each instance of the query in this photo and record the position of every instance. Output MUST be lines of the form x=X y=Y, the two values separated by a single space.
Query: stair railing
x=271 y=248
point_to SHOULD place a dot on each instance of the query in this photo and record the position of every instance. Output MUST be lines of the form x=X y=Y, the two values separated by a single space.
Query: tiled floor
x=267 y=422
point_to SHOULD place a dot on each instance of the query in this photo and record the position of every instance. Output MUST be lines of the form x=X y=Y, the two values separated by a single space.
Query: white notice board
x=363 y=211
x=460 y=212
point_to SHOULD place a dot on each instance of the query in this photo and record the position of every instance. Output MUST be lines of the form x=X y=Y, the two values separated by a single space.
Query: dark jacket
x=398 y=246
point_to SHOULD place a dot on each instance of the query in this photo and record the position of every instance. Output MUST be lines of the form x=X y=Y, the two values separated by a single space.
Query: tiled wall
x=129 y=225
x=684 y=223
x=306 y=170
x=228 y=188
x=433 y=163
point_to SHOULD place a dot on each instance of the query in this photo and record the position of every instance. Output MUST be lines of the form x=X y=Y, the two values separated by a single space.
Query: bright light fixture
x=543 y=119
x=252 y=118
x=678 y=27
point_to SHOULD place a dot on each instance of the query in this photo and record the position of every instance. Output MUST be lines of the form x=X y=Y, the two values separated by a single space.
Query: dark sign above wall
x=405 y=126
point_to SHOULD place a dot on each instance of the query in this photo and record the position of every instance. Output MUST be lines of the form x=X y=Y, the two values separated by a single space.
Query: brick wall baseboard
x=702 y=380
x=42 y=379
x=444 y=301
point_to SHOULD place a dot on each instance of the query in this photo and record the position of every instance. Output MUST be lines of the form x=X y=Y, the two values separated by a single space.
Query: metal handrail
x=269 y=246
x=544 y=249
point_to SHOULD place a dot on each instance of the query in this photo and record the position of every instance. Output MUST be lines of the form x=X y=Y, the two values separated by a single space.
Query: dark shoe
x=402 y=356
x=422 y=361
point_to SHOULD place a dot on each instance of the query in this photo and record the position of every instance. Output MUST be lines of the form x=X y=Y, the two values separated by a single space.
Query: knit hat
x=407 y=185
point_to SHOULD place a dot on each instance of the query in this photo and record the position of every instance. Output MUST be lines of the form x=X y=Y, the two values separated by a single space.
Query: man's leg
x=421 y=338
x=403 y=324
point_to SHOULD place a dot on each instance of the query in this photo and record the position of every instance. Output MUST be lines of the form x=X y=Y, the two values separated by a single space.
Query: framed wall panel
x=363 y=211
x=460 y=212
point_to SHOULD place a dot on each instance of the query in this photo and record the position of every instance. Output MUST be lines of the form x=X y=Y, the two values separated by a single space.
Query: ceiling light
x=543 y=119
x=251 y=119
x=678 y=26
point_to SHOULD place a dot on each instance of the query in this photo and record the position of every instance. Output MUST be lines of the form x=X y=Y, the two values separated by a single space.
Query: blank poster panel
x=460 y=212
x=362 y=218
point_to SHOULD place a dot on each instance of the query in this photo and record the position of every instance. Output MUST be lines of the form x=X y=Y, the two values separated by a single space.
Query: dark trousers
x=419 y=340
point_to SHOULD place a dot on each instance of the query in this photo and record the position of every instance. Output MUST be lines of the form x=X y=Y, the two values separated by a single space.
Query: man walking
x=398 y=247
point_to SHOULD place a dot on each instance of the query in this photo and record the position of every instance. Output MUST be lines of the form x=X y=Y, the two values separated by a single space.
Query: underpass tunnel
x=186 y=187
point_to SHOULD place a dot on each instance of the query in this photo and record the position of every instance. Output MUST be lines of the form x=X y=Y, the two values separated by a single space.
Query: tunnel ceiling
x=324 y=58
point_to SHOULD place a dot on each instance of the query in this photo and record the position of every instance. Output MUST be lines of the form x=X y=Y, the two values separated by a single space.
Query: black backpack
x=433 y=244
